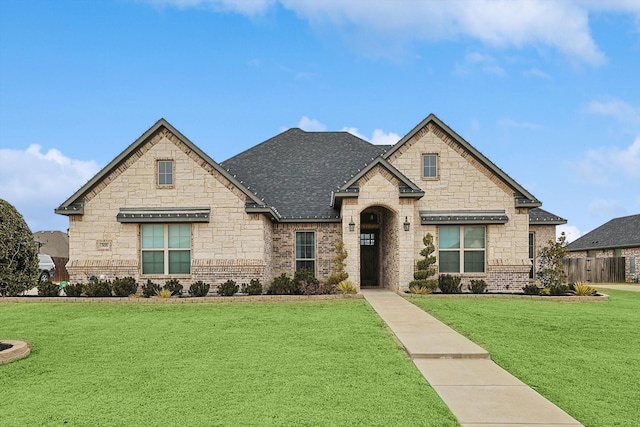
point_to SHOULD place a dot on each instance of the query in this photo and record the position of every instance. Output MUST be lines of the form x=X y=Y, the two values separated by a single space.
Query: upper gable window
x=429 y=165
x=165 y=173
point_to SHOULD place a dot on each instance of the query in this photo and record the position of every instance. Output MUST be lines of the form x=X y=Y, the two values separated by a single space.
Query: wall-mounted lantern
x=407 y=226
x=352 y=225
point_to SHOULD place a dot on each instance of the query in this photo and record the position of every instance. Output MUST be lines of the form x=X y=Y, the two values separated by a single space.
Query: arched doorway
x=378 y=247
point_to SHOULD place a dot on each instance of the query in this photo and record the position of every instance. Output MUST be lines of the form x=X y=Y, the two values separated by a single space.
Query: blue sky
x=548 y=90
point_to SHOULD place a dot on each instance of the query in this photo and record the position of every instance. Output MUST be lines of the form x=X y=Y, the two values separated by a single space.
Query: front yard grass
x=250 y=364
x=584 y=357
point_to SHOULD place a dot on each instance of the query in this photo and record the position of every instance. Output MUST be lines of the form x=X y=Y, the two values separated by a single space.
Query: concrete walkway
x=619 y=286
x=478 y=392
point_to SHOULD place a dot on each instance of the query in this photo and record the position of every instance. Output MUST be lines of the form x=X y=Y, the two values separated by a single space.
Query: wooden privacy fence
x=595 y=269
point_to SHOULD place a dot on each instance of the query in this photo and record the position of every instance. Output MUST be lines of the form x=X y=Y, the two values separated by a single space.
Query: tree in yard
x=424 y=268
x=18 y=252
x=338 y=274
x=551 y=270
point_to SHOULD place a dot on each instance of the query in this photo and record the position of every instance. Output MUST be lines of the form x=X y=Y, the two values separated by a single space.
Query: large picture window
x=166 y=248
x=461 y=249
x=306 y=250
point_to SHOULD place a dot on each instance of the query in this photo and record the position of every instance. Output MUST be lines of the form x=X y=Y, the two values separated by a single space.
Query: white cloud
x=561 y=25
x=483 y=62
x=536 y=72
x=36 y=183
x=610 y=165
x=245 y=7
x=379 y=137
x=571 y=231
x=622 y=111
x=311 y=125
x=606 y=208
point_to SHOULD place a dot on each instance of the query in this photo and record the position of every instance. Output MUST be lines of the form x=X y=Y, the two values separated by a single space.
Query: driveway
x=619 y=286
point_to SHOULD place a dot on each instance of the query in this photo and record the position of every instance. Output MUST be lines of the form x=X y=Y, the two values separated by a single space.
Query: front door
x=369 y=258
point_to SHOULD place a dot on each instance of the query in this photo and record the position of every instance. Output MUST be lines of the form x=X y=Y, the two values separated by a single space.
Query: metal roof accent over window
x=163 y=215
x=463 y=217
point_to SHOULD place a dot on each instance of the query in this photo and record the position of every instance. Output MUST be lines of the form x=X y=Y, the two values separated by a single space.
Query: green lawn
x=584 y=357
x=302 y=363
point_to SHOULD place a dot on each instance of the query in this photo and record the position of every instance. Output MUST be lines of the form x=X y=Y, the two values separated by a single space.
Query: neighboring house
x=618 y=238
x=56 y=245
x=165 y=209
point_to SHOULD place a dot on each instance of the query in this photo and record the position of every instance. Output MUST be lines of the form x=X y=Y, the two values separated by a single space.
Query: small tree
x=551 y=269
x=338 y=274
x=424 y=267
x=18 y=252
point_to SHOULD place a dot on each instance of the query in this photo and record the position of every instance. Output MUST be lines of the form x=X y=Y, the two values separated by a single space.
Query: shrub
x=124 y=287
x=551 y=267
x=559 y=289
x=306 y=282
x=18 y=252
x=174 y=286
x=477 y=286
x=48 y=289
x=74 y=290
x=253 y=288
x=199 y=289
x=582 y=289
x=150 y=289
x=449 y=284
x=283 y=285
x=98 y=288
x=164 y=293
x=338 y=274
x=228 y=288
x=424 y=268
x=346 y=287
x=420 y=290
x=531 y=289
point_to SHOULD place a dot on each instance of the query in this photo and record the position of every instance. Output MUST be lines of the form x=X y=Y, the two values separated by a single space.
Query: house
x=618 y=238
x=164 y=209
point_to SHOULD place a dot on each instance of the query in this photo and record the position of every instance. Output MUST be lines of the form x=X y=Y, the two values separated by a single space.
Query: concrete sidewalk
x=478 y=392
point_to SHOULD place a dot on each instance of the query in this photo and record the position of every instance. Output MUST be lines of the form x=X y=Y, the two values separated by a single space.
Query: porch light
x=352 y=225
x=406 y=224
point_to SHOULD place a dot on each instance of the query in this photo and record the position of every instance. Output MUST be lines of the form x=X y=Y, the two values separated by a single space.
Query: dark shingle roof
x=539 y=216
x=296 y=171
x=621 y=232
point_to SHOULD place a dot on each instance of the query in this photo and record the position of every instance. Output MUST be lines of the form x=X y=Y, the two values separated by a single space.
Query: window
x=166 y=248
x=532 y=254
x=617 y=253
x=592 y=253
x=430 y=166
x=367 y=239
x=632 y=265
x=165 y=172
x=306 y=250
x=461 y=247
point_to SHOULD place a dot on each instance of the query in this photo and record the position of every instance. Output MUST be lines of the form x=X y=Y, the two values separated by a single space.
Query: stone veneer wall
x=233 y=245
x=284 y=246
x=464 y=183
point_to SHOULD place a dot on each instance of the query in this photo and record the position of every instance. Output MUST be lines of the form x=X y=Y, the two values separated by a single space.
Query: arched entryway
x=378 y=247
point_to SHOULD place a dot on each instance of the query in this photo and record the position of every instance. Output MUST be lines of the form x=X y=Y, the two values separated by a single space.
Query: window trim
x=166 y=250
x=302 y=259
x=462 y=250
x=437 y=166
x=173 y=173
